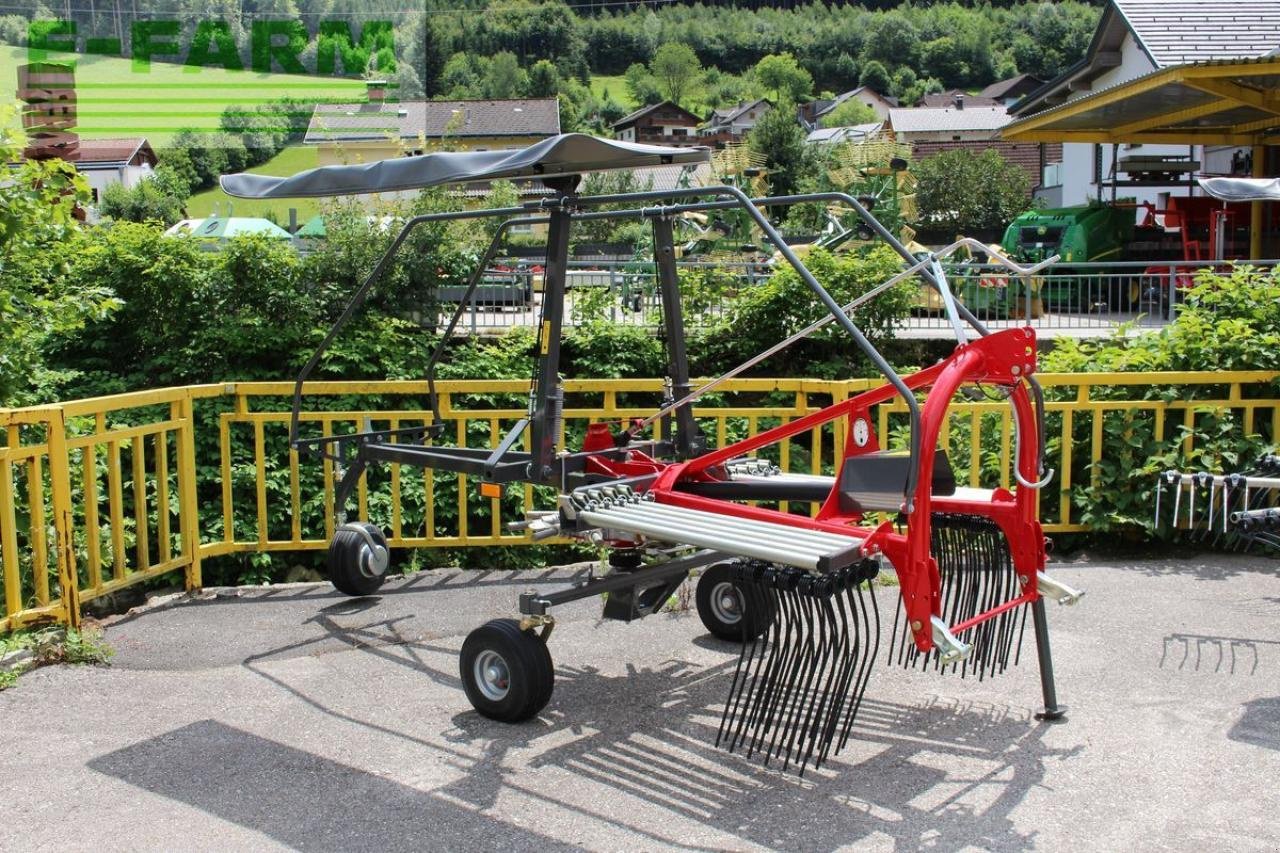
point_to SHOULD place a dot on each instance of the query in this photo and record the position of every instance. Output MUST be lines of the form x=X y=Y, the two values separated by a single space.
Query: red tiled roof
x=114 y=150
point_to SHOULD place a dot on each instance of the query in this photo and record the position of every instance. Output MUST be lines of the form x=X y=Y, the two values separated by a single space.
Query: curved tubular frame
x=739 y=199
x=362 y=293
x=736 y=199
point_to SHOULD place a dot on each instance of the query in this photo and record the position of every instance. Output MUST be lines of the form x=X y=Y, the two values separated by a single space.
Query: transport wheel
x=506 y=672
x=725 y=611
x=358 y=559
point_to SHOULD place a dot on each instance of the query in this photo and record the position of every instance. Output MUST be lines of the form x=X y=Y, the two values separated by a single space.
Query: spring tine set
x=1232 y=510
x=799 y=683
x=977 y=575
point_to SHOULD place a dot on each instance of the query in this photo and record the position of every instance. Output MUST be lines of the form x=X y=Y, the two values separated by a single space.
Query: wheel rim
x=492 y=675
x=370 y=565
x=726 y=603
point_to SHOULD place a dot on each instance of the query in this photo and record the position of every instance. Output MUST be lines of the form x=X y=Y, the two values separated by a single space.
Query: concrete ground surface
x=294 y=718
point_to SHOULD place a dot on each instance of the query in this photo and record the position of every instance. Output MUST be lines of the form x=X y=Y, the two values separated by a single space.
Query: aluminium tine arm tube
x=362 y=293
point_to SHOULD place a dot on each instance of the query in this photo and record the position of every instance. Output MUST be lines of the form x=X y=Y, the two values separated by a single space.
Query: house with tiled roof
x=1012 y=90
x=379 y=129
x=663 y=123
x=732 y=124
x=103 y=162
x=1135 y=38
x=812 y=113
x=951 y=97
x=932 y=130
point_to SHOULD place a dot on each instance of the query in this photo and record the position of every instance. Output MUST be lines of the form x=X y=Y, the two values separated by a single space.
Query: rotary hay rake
x=794 y=590
x=1236 y=511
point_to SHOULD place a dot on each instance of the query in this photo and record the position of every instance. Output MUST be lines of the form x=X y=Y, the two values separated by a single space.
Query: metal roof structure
x=225 y=227
x=1214 y=103
x=947 y=119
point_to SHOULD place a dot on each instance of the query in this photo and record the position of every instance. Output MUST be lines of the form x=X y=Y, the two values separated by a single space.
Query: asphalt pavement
x=293 y=718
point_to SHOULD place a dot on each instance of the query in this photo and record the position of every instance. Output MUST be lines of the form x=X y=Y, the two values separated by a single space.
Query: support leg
x=1052 y=712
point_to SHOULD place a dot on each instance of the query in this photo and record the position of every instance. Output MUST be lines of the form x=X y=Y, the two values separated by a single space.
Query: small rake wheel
x=358 y=559
x=726 y=611
x=506 y=672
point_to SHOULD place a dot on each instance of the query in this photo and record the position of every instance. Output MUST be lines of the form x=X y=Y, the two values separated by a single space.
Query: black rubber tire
x=347 y=553
x=757 y=612
x=530 y=672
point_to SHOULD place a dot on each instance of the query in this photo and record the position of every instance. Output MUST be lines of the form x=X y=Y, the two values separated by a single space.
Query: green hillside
x=290 y=161
x=114 y=99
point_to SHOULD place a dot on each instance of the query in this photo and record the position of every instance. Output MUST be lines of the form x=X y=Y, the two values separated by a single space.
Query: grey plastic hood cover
x=1242 y=189
x=567 y=154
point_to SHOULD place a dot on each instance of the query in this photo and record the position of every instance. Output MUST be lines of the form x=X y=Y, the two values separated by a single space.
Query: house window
x=955 y=138
x=679 y=131
x=93 y=194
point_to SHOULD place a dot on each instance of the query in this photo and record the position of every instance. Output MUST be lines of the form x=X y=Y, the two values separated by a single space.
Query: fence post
x=63 y=525
x=188 y=509
x=1173 y=293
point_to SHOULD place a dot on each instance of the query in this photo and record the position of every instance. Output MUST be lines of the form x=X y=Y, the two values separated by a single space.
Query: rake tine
x=763 y=709
x=787 y=694
x=798 y=689
x=747 y=653
x=781 y=635
x=849 y=666
x=864 y=670
x=822 y=591
x=817 y=733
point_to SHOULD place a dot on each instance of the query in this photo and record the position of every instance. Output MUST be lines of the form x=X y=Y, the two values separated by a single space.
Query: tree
x=159 y=198
x=544 y=79
x=779 y=137
x=504 y=77
x=849 y=113
x=461 y=76
x=640 y=84
x=891 y=40
x=876 y=77
x=38 y=201
x=675 y=66
x=846 y=71
x=782 y=75
x=963 y=192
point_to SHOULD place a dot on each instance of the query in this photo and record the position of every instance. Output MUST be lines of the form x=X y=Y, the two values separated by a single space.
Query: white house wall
x=1077 y=173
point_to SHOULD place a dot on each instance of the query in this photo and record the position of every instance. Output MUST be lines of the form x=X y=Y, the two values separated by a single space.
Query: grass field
x=615 y=87
x=290 y=161
x=114 y=99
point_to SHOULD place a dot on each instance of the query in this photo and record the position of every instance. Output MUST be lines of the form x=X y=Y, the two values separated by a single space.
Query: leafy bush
x=39 y=234
x=963 y=192
x=161 y=198
x=1226 y=323
x=784 y=304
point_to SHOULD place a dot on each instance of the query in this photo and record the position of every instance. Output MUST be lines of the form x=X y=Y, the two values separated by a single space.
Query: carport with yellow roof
x=1208 y=103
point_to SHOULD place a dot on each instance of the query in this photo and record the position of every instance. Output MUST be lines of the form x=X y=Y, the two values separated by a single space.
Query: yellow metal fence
x=103 y=493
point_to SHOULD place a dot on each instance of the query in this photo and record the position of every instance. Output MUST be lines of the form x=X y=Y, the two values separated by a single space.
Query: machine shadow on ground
x=648 y=735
